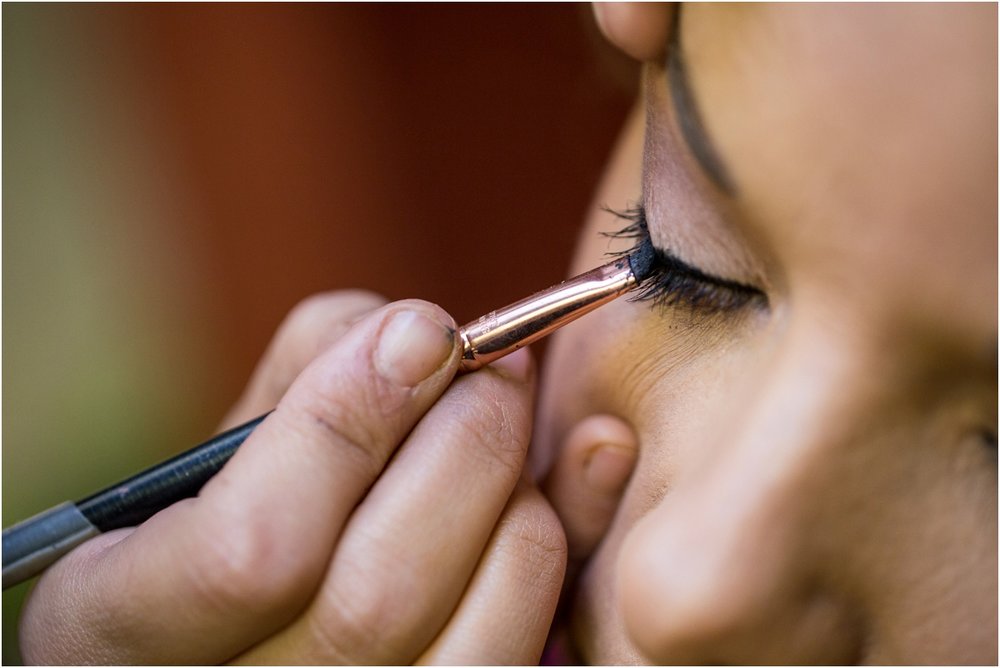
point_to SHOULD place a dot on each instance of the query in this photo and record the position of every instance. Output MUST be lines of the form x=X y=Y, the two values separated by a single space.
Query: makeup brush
x=32 y=545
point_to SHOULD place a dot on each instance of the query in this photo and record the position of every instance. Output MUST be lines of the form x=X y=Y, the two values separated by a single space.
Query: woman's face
x=817 y=474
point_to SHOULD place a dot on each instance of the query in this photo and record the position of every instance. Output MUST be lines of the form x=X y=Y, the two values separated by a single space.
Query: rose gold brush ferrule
x=503 y=331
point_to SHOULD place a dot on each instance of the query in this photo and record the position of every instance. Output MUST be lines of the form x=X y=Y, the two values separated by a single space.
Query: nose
x=729 y=567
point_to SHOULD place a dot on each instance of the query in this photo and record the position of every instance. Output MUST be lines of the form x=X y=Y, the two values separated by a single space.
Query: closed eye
x=674 y=282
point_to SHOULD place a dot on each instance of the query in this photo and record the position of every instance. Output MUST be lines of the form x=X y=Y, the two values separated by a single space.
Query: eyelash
x=676 y=283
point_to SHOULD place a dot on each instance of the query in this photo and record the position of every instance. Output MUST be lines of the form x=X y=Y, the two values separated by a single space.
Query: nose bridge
x=741 y=535
x=795 y=434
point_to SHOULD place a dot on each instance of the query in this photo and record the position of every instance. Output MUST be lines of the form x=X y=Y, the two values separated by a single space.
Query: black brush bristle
x=642 y=260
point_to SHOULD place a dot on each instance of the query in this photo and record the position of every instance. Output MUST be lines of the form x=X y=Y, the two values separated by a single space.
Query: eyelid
x=674 y=282
x=689 y=118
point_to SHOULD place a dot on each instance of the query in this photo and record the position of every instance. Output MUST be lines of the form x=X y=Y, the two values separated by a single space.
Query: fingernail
x=412 y=347
x=517 y=365
x=609 y=468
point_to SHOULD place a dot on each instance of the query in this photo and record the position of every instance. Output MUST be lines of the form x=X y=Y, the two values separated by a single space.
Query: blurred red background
x=177 y=177
x=443 y=152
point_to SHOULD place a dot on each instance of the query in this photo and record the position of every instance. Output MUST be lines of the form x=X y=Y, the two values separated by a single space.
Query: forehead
x=862 y=139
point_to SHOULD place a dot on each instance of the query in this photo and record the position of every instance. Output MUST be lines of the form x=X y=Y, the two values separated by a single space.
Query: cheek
x=625 y=360
x=650 y=368
x=571 y=382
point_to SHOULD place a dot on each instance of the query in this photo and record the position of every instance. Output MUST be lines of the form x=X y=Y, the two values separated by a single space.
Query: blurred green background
x=177 y=177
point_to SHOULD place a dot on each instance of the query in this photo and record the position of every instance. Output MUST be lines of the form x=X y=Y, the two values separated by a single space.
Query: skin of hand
x=380 y=515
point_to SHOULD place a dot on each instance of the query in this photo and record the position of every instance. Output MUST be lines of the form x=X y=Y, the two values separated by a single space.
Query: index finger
x=205 y=578
x=311 y=327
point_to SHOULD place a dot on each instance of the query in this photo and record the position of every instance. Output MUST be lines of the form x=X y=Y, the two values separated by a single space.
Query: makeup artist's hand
x=379 y=515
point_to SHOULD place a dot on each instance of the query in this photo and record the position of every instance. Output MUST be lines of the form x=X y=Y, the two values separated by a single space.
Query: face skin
x=817 y=474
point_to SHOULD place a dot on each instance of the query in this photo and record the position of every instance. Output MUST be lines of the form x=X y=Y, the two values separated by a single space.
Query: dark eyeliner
x=674 y=282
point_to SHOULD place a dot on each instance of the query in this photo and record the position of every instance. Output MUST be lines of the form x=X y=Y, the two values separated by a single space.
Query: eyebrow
x=688 y=116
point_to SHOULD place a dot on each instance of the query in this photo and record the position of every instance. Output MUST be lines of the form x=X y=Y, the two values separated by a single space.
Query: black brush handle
x=32 y=545
x=136 y=499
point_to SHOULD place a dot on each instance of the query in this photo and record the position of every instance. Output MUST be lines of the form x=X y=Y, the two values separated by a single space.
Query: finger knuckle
x=495 y=425
x=322 y=305
x=310 y=327
x=534 y=536
x=358 y=428
x=318 y=312
x=361 y=617
x=302 y=320
x=245 y=568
